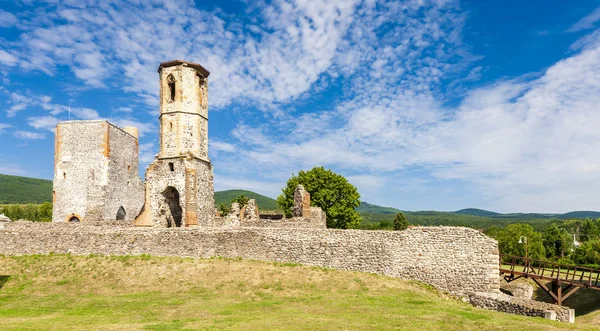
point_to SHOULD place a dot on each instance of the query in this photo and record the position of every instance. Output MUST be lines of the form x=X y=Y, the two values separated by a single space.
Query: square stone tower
x=179 y=183
x=96 y=172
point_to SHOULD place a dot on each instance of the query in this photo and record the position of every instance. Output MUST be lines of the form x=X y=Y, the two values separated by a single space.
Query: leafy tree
x=241 y=199
x=400 y=222
x=508 y=241
x=328 y=190
x=557 y=242
x=223 y=209
x=588 y=253
x=589 y=230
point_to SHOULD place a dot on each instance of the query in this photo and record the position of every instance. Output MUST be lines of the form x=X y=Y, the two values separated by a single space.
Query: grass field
x=112 y=293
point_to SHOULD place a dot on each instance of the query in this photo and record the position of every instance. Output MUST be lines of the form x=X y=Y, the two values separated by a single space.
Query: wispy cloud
x=587 y=22
x=3 y=127
x=29 y=135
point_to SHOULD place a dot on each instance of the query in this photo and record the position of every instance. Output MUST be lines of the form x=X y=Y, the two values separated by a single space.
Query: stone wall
x=95 y=172
x=191 y=179
x=457 y=260
x=508 y=304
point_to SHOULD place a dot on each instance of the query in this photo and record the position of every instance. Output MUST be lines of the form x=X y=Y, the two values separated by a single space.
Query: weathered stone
x=453 y=259
x=3 y=218
x=508 y=304
x=179 y=183
x=251 y=211
x=301 y=206
x=95 y=173
x=519 y=290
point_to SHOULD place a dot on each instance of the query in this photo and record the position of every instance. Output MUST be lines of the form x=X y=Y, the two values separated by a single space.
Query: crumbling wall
x=192 y=179
x=453 y=259
x=508 y=304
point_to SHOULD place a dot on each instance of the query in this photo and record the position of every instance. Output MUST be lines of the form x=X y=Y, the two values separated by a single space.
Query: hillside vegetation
x=264 y=203
x=15 y=189
x=132 y=293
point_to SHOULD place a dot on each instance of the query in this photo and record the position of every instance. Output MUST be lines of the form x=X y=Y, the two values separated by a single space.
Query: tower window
x=64 y=175
x=170 y=126
x=171 y=84
x=171 y=166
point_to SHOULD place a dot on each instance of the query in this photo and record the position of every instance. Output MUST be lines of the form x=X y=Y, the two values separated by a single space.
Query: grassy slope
x=14 y=189
x=125 y=293
x=264 y=203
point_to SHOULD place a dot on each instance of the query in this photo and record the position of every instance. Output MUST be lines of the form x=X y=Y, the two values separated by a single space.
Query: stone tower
x=96 y=172
x=179 y=183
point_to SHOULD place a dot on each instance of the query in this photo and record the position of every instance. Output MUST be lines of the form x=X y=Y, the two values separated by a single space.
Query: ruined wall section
x=81 y=167
x=193 y=181
x=453 y=259
x=125 y=187
x=96 y=167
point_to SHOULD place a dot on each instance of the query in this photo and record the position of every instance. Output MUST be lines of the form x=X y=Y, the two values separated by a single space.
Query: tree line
x=565 y=242
x=30 y=212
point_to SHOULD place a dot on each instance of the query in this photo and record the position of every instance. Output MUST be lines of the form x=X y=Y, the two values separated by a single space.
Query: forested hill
x=15 y=189
x=263 y=202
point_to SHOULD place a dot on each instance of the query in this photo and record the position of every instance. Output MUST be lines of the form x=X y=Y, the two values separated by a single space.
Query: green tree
x=589 y=230
x=328 y=190
x=557 y=242
x=223 y=209
x=588 y=253
x=241 y=199
x=508 y=241
x=400 y=222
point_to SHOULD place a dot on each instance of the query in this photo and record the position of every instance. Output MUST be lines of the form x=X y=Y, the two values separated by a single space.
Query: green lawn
x=117 y=293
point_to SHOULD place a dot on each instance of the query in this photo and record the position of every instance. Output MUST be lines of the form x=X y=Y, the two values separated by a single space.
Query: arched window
x=171 y=84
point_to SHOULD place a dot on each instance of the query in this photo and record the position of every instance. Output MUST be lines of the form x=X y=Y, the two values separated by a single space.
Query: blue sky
x=423 y=105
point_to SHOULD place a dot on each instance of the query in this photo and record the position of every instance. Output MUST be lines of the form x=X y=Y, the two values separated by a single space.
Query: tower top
x=196 y=66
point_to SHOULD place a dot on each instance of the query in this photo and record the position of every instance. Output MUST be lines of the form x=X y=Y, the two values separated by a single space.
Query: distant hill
x=580 y=214
x=15 y=189
x=476 y=212
x=264 y=203
x=366 y=207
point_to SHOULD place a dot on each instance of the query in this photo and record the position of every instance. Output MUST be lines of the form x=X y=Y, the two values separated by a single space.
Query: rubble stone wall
x=453 y=259
x=508 y=304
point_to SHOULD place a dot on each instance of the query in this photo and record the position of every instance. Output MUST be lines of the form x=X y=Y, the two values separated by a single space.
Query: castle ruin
x=96 y=167
x=99 y=199
x=95 y=172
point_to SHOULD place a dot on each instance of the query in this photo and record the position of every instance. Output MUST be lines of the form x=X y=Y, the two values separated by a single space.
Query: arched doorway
x=174 y=213
x=121 y=214
x=74 y=219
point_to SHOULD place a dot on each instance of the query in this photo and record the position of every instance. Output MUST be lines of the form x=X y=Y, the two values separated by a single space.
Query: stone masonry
x=508 y=304
x=179 y=183
x=96 y=172
x=453 y=259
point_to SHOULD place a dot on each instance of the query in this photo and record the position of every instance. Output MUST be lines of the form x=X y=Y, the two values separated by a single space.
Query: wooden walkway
x=571 y=277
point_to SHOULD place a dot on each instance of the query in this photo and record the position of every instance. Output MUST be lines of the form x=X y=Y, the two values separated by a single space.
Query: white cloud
x=29 y=135
x=221 y=146
x=586 y=22
x=3 y=127
x=8 y=59
x=7 y=19
x=43 y=122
